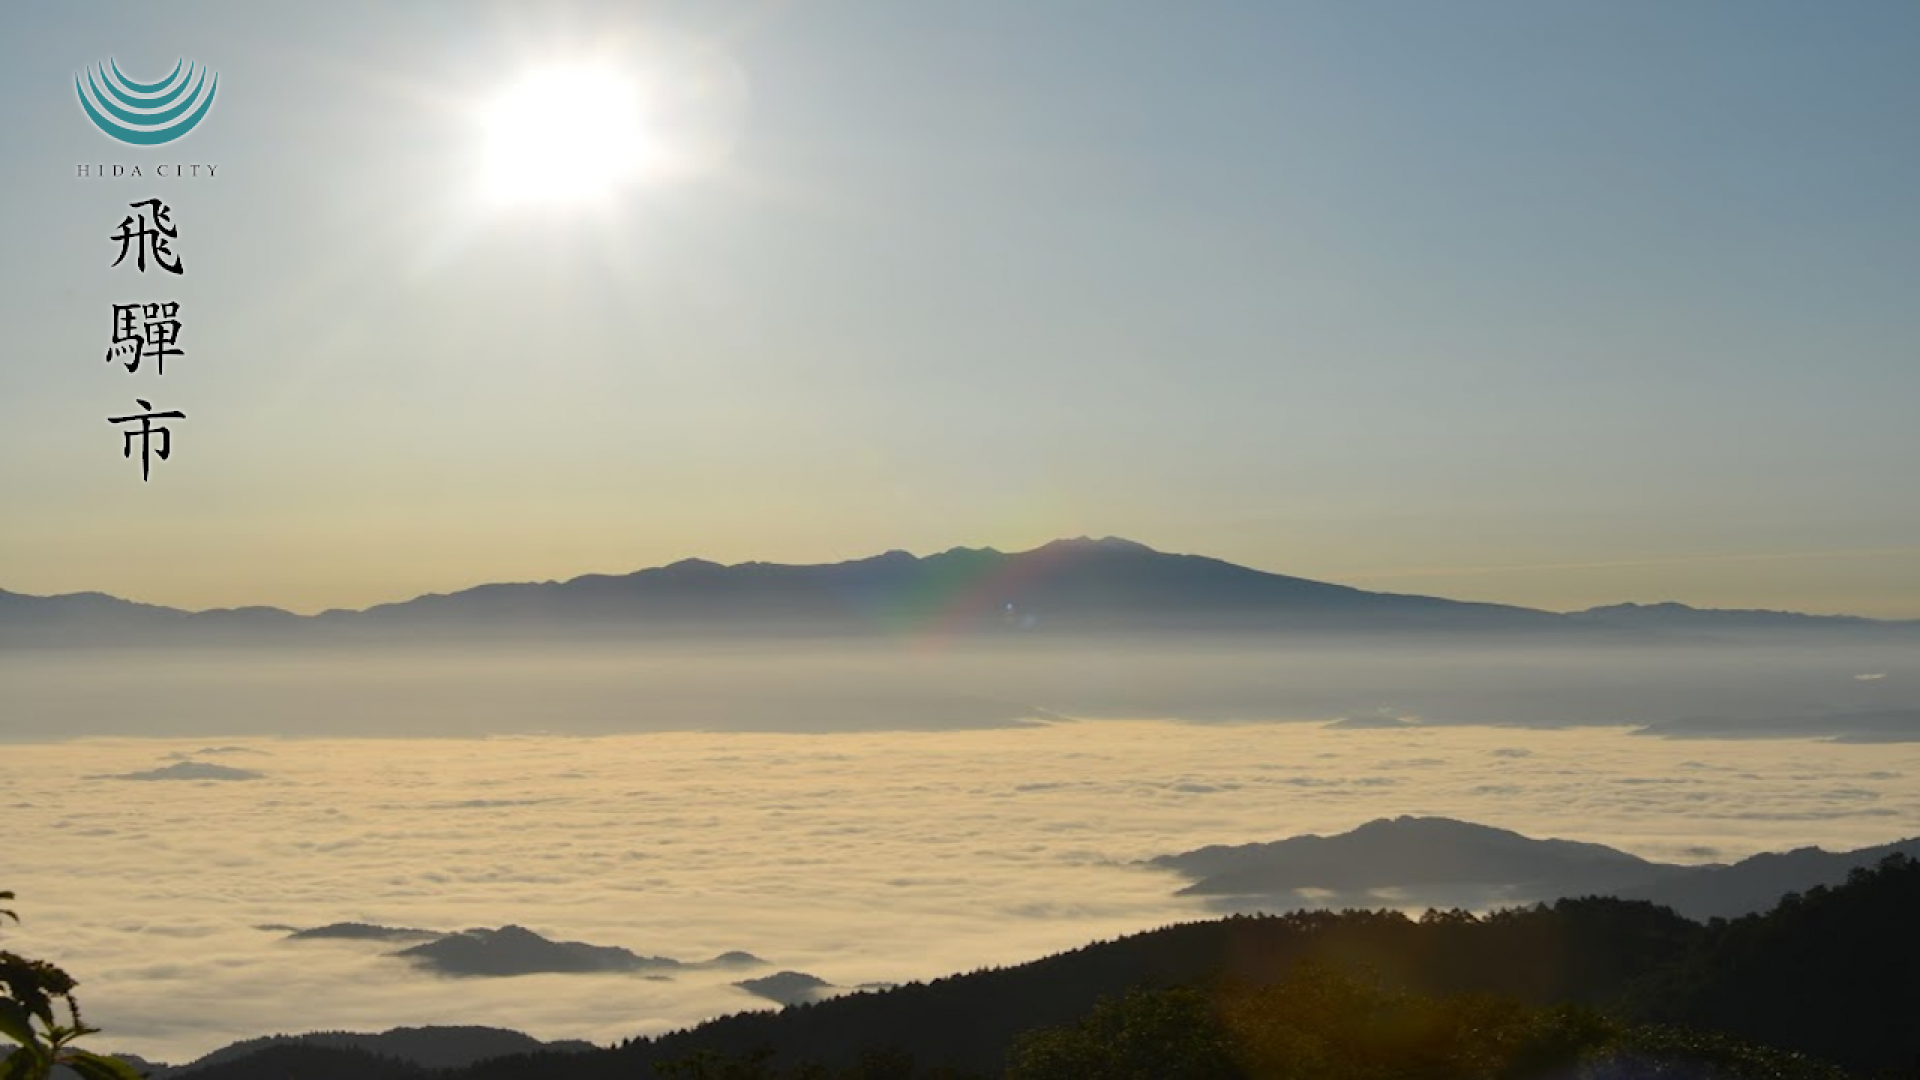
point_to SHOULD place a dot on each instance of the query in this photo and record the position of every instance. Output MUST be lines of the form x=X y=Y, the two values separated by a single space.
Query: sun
x=562 y=134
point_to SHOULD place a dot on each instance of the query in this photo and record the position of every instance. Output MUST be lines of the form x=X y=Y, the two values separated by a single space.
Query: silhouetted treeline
x=1320 y=1025
x=1834 y=972
x=310 y=1061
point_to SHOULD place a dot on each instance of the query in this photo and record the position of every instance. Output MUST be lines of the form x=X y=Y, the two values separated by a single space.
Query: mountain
x=438 y=1047
x=352 y=1055
x=1076 y=586
x=358 y=931
x=1415 y=856
x=1676 y=618
x=788 y=987
x=1430 y=861
x=1073 y=586
x=187 y=770
x=1068 y=586
x=1757 y=883
x=516 y=950
x=1858 y=726
x=93 y=617
x=306 y=1061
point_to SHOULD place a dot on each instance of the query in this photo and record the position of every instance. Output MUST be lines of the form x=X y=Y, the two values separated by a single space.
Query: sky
x=1556 y=304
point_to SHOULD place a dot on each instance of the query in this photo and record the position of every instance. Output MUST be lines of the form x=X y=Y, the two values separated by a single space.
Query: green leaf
x=99 y=1066
x=61 y=1034
x=22 y=1065
x=15 y=1024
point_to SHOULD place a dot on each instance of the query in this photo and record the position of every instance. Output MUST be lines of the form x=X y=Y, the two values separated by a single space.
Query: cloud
x=856 y=856
x=490 y=804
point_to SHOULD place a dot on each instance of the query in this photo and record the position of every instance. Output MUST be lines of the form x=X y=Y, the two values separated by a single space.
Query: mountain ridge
x=1438 y=861
x=1076 y=585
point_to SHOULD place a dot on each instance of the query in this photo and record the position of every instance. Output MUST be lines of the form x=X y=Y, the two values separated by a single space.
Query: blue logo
x=147 y=114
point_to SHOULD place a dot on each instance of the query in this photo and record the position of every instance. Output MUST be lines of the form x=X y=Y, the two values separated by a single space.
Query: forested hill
x=1833 y=973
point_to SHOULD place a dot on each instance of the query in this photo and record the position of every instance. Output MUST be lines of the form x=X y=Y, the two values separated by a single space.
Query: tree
x=29 y=1019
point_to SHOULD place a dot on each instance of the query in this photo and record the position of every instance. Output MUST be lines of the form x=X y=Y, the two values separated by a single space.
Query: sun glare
x=562 y=135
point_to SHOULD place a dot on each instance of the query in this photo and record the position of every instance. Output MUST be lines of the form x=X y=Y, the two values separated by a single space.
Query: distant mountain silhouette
x=1430 y=861
x=1867 y=726
x=788 y=987
x=88 y=617
x=799 y=988
x=1412 y=854
x=400 y=1051
x=187 y=770
x=1379 y=722
x=1067 y=587
x=357 y=931
x=302 y=1060
x=1681 y=618
x=732 y=959
x=1757 y=883
x=516 y=950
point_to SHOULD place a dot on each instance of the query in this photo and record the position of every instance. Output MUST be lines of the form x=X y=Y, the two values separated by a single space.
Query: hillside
x=1746 y=979
x=1630 y=982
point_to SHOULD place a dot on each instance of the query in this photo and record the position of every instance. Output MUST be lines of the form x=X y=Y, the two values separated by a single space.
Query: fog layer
x=853 y=856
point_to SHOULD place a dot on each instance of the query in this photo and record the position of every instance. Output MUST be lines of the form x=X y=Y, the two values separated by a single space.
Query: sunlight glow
x=562 y=135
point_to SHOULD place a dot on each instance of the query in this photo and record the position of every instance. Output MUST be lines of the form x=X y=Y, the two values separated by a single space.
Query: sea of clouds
x=856 y=856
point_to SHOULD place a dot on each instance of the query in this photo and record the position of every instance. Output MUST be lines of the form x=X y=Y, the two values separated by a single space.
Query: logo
x=147 y=114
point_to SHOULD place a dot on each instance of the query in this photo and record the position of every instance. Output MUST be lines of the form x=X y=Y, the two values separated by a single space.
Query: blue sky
x=1556 y=304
